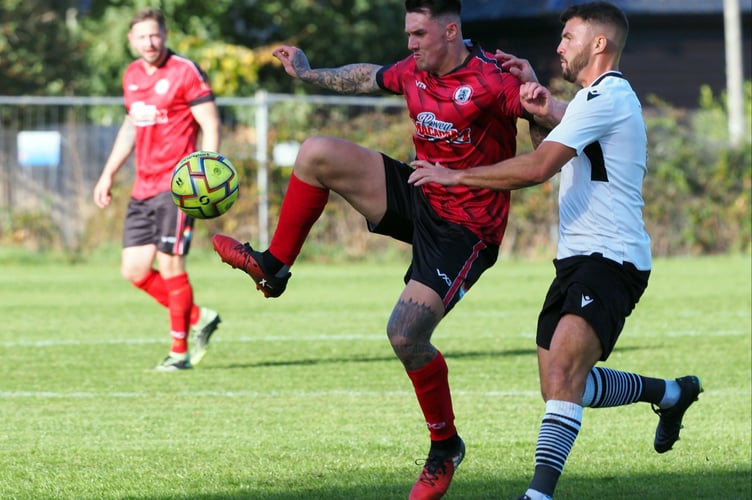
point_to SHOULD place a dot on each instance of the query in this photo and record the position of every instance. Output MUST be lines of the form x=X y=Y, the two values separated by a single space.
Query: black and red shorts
x=158 y=221
x=446 y=257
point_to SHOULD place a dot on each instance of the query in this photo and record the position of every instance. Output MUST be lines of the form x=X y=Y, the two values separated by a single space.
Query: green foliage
x=32 y=230
x=233 y=41
x=38 y=49
x=698 y=187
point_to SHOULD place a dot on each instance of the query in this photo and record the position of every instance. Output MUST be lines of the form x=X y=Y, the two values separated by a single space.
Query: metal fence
x=52 y=149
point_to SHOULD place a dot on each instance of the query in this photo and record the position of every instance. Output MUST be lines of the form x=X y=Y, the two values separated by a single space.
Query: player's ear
x=452 y=31
x=600 y=43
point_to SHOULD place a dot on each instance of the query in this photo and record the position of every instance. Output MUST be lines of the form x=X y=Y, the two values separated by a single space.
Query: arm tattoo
x=349 y=79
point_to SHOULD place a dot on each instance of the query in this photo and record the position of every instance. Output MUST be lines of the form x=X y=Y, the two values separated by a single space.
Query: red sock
x=431 y=385
x=154 y=285
x=195 y=313
x=301 y=207
x=181 y=302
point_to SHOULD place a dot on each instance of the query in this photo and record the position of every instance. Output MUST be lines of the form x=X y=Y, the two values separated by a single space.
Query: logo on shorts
x=586 y=300
x=444 y=277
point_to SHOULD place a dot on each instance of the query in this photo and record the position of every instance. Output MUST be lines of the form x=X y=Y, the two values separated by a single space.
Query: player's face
x=426 y=38
x=574 y=48
x=148 y=40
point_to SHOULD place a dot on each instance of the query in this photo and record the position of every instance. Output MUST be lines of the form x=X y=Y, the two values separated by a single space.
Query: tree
x=39 y=49
x=233 y=41
x=50 y=47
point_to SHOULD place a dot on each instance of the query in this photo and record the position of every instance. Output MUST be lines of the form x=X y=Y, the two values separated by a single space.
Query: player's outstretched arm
x=514 y=173
x=350 y=79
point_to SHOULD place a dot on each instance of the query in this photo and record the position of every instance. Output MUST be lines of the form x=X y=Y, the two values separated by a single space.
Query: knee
x=402 y=345
x=412 y=352
x=134 y=274
x=563 y=383
x=312 y=153
x=129 y=275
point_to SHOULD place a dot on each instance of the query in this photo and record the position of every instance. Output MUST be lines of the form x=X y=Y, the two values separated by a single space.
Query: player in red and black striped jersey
x=168 y=100
x=465 y=109
x=462 y=116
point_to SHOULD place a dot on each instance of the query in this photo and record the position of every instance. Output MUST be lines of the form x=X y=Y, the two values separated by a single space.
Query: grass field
x=301 y=397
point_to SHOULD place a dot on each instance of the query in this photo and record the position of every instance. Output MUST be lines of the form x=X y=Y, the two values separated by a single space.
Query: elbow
x=542 y=167
x=539 y=176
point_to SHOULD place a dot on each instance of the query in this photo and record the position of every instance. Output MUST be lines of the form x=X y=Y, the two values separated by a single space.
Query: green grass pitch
x=301 y=397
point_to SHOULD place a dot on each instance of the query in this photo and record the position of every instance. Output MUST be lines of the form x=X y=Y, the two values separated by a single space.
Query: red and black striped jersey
x=463 y=119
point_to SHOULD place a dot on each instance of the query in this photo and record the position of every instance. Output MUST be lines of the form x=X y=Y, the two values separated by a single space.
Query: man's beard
x=573 y=68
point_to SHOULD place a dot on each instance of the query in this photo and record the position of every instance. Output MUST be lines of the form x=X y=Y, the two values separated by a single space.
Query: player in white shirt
x=599 y=144
x=600 y=194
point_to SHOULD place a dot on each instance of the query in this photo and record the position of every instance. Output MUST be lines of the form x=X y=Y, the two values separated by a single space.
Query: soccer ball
x=204 y=184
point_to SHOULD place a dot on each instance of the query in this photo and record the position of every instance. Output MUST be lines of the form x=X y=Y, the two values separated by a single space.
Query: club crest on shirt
x=162 y=86
x=462 y=94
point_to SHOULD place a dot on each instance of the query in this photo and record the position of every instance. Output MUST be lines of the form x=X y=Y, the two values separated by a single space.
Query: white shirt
x=600 y=195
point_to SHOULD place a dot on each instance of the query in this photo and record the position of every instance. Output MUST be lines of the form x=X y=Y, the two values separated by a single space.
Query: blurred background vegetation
x=697 y=192
x=84 y=48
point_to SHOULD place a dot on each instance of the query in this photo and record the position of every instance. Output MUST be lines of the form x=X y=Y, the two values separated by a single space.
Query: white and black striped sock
x=606 y=388
x=558 y=431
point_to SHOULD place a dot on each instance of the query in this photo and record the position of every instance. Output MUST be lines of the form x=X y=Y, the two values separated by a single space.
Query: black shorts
x=158 y=221
x=600 y=290
x=447 y=257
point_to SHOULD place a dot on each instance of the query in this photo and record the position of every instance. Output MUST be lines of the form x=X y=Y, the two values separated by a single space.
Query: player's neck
x=150 y=68
x=455 y=58
x=591 y=73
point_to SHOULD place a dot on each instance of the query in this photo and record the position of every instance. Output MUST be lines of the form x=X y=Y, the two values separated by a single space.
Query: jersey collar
x=615 y=74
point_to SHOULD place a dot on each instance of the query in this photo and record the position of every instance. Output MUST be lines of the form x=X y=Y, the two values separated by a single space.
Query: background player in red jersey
x=168 y=99
x=465 y=108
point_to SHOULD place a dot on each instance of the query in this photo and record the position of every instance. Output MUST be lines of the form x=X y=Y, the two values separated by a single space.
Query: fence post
x=734 y=73
x=262 y=174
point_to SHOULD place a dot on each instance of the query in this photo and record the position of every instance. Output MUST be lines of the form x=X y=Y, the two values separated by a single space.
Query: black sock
x=653 y=390
x=446 y=445
x=270 y=263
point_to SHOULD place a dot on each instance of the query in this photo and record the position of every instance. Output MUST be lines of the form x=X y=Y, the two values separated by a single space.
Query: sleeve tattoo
x=349 y=79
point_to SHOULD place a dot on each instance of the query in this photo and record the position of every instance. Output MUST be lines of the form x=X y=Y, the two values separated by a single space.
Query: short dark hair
x=434 y=7
x=600 y=12
x=149 y=14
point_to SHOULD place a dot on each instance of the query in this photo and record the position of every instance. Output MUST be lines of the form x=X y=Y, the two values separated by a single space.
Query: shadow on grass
x=381 y=359
x=695 y=486
x=372 y=359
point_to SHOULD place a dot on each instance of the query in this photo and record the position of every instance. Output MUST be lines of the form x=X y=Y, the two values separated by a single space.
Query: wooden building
x=674 y=46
